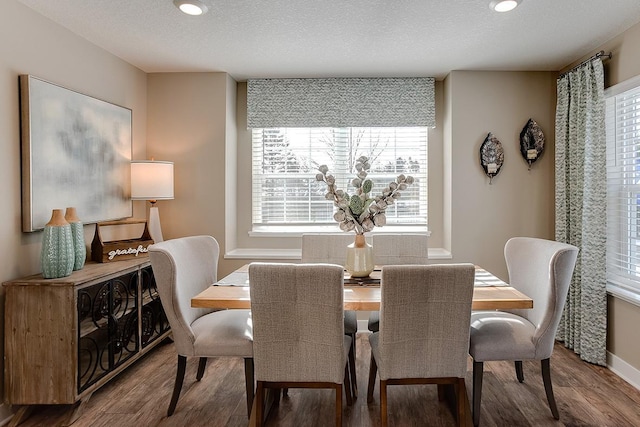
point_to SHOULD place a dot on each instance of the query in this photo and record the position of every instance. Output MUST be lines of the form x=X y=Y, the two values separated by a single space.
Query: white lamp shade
x=151 y=180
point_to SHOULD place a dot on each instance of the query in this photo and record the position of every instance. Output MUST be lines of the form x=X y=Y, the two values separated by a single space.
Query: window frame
x=619 y=210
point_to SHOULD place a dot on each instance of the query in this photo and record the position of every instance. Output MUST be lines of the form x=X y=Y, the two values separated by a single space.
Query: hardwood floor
x=587 y=395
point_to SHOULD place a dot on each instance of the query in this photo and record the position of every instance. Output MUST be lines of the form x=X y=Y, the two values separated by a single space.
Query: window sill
x=298 y=231
x=295 y=254
x=631 y=296
x=261 y=253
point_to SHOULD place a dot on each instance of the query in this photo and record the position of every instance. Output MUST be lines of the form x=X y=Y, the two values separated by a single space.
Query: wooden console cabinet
x=66 y=337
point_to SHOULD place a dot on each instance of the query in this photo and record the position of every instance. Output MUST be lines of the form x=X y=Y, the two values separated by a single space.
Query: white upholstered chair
x=424 y=329
x=542 y=269
x=332 y=249
x=397 y=249
x=183 y=268
x=298 y=329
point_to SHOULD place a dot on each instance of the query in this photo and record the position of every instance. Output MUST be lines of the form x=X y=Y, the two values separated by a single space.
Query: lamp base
x=154 y=225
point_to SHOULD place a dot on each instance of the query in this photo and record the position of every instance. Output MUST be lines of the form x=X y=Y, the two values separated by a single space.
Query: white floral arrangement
x=360 y=212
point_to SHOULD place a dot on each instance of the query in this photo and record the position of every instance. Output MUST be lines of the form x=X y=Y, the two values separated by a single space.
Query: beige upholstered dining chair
x=183 y=268
x=424 y=330
x=298 y=329
x=542 y=269
x=397 y=249
x=332 y=249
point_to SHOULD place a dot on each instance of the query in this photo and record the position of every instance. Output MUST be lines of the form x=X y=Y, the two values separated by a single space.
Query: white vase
x=359 y=257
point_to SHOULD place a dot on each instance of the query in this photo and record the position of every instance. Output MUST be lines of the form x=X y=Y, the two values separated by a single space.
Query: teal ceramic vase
x=77 y=233
x=58 y=255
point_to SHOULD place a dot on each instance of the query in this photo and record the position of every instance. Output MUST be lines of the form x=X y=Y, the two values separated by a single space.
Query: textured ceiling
x=346 y=38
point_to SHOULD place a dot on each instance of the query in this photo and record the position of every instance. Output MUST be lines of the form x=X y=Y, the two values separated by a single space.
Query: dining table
x=362 y=294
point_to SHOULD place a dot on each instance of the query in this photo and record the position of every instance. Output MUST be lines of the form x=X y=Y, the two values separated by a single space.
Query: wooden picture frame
x=76 y=151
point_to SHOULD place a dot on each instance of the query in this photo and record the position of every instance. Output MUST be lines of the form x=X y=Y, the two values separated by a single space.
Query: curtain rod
x=600 y=54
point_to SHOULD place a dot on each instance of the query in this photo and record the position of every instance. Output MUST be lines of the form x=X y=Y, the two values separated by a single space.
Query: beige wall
x=31 y=44
x=187 y=118
x=191 y=121
x=519 y=202
x=436 y=173
x=623 y=338
x=625 y=62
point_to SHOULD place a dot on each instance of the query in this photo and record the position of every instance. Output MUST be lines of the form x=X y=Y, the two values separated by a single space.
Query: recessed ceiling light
x=504 y=5
x=191 y=7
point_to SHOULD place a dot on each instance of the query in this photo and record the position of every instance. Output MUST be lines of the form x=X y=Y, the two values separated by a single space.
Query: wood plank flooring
x=587 y=395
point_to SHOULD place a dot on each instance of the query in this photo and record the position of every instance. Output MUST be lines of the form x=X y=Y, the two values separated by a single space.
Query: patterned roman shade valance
x=341 y=102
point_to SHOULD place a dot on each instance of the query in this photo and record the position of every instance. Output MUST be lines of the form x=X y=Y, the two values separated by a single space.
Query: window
x=623 y=188
x=286 y=160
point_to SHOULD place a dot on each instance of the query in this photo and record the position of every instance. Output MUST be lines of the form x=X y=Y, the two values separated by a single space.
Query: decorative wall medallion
x=491 y=156
x=531 y=141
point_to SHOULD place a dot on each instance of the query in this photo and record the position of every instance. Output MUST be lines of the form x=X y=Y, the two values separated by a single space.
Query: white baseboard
x=627 y=372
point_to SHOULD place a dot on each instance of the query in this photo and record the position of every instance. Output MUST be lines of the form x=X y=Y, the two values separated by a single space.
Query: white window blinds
x=623 y=186
x=286 y=160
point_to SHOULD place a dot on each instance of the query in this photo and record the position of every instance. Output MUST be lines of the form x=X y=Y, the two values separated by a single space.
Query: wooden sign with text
x=118 y=250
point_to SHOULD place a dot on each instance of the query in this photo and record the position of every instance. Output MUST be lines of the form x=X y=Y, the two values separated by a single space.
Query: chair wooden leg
x=383 y=403
x=548 y=388
x=202 y=364
x=259 y=404
x=352 y=361
x=519 y=372
x=352 y=368
x=373 y=371
x=461 y=398
x=182 y=367
x=339 y=405
x=477 y=391
x=347 y=385
x=248 y=380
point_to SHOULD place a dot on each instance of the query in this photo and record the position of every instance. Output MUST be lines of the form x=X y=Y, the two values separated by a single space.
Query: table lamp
x=152 y=180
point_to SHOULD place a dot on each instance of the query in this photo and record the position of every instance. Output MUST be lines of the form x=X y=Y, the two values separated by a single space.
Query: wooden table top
x=490 y=293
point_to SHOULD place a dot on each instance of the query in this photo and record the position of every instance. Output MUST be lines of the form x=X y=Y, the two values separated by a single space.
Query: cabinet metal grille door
x=154 y=320
x=107 y=327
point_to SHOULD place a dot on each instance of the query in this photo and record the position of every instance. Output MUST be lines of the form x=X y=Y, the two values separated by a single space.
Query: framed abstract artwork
x=76 y=151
